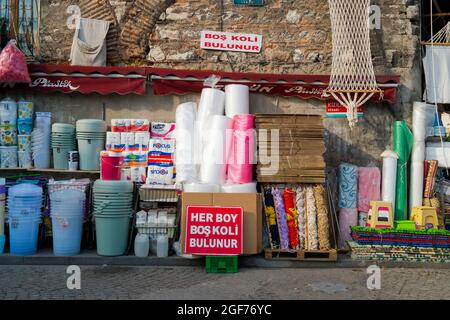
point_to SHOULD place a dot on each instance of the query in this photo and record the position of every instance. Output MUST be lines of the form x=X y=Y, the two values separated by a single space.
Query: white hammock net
x=442 y=37
x=352 y=81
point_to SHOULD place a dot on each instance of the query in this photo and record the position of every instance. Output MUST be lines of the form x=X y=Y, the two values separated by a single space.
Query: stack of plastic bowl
x=91 y=135
x=113 y=208
x=24 y=216
x=63 y=141
x=67 y=213
x=40 y=140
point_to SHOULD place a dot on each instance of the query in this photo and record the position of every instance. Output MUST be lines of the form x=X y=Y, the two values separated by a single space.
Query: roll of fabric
x=213 y=167
x=369 y=187
x=430 y=178
x=389 y=177
x=237 y=100
x=348 y=186
x=271 y=218
x=311 y=220
x=403 y=143
x=186 y=115
x=301 y=216
x=323 y=223
x=291 y=215
x=241 y=159
x=282 y=221
x=347 y=219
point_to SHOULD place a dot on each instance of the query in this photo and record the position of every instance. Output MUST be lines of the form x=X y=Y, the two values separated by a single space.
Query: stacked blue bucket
x=24 y=217
x=67 y=213
x=113 y=208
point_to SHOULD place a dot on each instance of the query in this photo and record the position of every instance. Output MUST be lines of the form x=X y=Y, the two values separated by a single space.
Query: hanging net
x=352 y=81
x=440 y=38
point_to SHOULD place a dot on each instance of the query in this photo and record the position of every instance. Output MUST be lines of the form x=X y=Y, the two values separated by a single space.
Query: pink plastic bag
x=13 y=65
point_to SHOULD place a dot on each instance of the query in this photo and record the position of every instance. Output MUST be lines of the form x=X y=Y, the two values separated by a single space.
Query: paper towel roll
x=237 y=100
x=201 y=187
x=185 y=136
x=213 y=166
x=239 y=188
x=389 y=176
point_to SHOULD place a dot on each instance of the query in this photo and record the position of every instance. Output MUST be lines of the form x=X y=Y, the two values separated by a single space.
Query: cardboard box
x=251 y=204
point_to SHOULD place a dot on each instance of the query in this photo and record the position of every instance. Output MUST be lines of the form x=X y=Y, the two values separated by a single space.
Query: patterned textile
x=301 y=216
x=323 y=224
x=347 y=219
x=369 y=187
x=311 y=218
x=282 y=221
x=348 y=186
x=271 y=217
x=291 y=215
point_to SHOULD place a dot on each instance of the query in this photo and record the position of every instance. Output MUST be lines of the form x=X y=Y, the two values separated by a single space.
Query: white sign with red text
x=226 y=41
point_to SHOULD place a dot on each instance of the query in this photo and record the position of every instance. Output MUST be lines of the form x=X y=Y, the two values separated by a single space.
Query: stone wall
x=296 y=39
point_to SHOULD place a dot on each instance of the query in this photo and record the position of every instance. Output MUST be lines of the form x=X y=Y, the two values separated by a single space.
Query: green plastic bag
x=403 y=144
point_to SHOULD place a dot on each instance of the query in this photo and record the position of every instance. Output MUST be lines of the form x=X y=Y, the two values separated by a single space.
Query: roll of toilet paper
x=239 y=188
x=237 y=100
x=201 y=187
x=214 y=161
x=185 y=152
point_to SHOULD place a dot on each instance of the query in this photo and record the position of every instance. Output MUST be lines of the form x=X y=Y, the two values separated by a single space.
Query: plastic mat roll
x=403 y=143
x=186 y=115
x=348 y=186
x=237 y=100
x=389 y=176
x=369 y=185
x=241 y=160
x=347 y=219
x=201 y=187
x=239 y=188
x=213 y=166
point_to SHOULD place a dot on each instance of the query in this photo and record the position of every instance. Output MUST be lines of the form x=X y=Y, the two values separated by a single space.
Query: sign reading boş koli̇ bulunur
x=226 y=41
x=214 y=230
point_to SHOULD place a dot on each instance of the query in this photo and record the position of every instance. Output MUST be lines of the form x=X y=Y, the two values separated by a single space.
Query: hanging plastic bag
x=13 y=65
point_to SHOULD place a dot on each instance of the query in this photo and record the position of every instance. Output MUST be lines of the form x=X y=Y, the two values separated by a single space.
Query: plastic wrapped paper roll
x=347 y=219
x=403 y=143
x=239 y=188
x=186 y=115
x=213 y=166
x=212 y=102
x=237 y=100
x=389 y=176
x=201 y=187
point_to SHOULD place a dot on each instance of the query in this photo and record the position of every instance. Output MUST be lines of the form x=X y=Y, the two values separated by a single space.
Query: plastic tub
x=110 y=167
x=90 y=153
x=112 y=234
x=23 y=233
x=67 y=232
x=61 y=158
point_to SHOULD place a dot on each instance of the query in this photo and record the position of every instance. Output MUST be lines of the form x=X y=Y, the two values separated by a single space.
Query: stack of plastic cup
x=63 y=142
x=40 y=141
x=25 y=120
x=91 y=135
x=67 y=213
x=113 y=208
x=24 y=216
x=24 y=151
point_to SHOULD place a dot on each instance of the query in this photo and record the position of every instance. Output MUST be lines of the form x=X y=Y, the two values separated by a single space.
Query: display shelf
x=51 y=170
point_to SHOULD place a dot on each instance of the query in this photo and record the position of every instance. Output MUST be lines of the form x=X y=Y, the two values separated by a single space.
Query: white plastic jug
x=141 y=245
x=162 y=247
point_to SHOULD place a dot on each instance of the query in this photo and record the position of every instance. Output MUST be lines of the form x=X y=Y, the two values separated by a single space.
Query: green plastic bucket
x=112 y=234
x=90 y=153
x=61 y=158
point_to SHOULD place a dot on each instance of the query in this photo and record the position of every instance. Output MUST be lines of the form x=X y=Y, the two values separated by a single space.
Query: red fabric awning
x=170 y=81
x=102 y=80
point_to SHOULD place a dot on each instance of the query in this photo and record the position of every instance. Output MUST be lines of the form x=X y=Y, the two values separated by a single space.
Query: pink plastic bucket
x=111 y=167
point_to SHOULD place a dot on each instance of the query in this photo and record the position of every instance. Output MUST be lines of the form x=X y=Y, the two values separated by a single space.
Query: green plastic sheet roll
x=403 y=144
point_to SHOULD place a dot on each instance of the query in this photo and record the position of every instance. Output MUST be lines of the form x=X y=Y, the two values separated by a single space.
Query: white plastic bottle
x=141 y=245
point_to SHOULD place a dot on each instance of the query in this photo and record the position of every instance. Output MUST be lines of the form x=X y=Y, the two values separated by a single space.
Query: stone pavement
x=119 y=282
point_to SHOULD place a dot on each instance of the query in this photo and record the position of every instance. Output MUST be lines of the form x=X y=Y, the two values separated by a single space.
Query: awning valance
x=172 y=81
x=102 y=80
